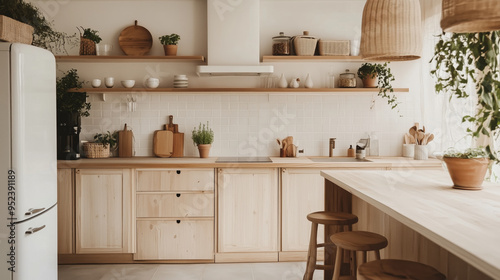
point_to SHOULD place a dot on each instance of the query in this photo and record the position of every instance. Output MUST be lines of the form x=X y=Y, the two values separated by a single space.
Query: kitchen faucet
x=331 y=146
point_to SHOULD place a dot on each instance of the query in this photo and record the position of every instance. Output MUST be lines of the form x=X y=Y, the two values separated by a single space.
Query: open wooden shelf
x=229 y=90
x=316 y=58
x=124 y=58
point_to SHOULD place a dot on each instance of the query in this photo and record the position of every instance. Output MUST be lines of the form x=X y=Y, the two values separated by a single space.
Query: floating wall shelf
x=230 y=90
x=316 y=58
x=124 y=58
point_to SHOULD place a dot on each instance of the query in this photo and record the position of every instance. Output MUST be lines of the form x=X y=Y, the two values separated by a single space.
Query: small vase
x=170 y=50
x=294 y=83
x=308 y=83
x=282 y=82
x=204 y=150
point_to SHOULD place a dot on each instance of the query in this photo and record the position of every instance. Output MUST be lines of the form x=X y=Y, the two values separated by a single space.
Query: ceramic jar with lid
x=281 y=44
x=347 y=80
x=305 y=44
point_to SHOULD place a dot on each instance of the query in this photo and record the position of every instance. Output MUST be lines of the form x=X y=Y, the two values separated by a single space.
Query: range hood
x=233 y=39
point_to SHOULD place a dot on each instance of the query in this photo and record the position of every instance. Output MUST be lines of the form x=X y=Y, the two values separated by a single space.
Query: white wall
x=244 y=124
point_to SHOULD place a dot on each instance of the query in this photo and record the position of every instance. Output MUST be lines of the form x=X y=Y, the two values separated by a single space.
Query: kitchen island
x=423 y=217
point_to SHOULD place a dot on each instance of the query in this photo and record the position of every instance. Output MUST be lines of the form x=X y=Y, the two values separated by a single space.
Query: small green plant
x=90 y=34
x=385 y=78
x=203 y=135
x=106 y=139
x=171 y=39
x=468 y=153
x=71 y=102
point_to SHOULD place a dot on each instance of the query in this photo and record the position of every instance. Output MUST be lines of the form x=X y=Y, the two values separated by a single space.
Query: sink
x=242 y=159
x=337 y=159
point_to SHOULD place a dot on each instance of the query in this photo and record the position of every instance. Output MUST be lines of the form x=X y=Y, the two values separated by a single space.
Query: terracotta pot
x=369 y=82
x=204 y=150
x=170 y=50
x=467 y=174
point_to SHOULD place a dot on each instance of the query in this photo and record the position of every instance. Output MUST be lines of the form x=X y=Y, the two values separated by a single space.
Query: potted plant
x=103 y=143
x=169 y=43
x=88 y=40
x=203 y=137
x=468 y=168
x=461 y=58
x=44 y=35
x=379 y=75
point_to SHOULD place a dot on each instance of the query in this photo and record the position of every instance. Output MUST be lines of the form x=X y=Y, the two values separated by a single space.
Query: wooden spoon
x=413 y=131
x=420 y=137
x=407 y=138
x=431 y=137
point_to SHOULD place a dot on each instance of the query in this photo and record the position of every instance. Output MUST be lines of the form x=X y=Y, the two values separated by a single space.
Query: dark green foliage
x=171 y=39
x=385 y=78
x=91 y=35
x=71 y=102
x=462 y=57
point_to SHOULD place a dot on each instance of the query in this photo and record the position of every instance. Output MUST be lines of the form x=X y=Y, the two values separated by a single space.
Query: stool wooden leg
x=311 y=254
x=377 y=254
x=363 y=257
x=338 y=264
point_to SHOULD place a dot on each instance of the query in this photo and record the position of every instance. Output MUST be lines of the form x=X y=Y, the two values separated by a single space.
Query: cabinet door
x=182 y=239
x=104 y=208
x=248 y=210
x=302 y=193
x=175 y=180
x=65 y=211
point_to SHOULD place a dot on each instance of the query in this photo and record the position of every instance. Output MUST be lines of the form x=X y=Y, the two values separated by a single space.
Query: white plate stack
x=180 y=81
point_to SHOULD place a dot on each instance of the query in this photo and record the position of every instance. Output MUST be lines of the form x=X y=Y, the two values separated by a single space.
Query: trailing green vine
x=463 y=57
x=385 y=78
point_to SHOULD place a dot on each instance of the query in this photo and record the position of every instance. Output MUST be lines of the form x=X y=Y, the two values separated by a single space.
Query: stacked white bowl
x=180 y=81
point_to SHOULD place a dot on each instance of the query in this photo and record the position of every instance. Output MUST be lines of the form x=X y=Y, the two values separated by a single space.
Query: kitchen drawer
x=187 y=239
x=175 y=180
x=175 y=205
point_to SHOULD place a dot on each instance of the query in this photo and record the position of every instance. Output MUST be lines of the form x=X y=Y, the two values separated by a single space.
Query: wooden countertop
x=288 y=162
x=466 y=223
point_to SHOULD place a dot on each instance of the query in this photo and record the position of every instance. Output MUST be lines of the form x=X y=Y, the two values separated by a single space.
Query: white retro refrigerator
x=28 y=194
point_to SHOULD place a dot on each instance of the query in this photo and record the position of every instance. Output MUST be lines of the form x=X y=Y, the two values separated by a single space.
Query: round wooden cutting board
x=135 y=40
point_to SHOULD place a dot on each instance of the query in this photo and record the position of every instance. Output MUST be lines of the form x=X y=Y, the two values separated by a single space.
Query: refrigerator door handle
x=32 y=211
x=33 y=230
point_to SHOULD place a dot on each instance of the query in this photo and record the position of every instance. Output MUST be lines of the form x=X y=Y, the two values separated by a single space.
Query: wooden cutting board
x=163 y=143
x=178 y=150
x=125 y=138
x=135 y=40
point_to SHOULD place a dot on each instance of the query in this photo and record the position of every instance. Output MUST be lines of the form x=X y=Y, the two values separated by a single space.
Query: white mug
x=109 y=82
x=96 y=83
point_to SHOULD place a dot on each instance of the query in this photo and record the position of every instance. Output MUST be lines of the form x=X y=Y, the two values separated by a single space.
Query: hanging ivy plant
x=71 y=102
x=463 y=57
x=385 y=78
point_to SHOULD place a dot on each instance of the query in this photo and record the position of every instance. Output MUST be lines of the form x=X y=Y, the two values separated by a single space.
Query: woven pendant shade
x=391 y=30
x=468 y=16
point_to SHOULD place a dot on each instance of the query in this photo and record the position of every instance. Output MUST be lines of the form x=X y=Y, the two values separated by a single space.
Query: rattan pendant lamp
x=469 y=16
x=391 y=30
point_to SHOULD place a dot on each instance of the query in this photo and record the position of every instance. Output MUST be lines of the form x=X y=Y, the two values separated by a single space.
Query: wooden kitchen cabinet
x=104 y=211
x=302 y=192
x=247 y=214
x=65 y=211
x=175 y=214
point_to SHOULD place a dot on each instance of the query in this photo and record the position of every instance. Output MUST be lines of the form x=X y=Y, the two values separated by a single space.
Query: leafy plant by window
x=106 y=139
x=91 y=35
x=202 y=135
x=71 y=102
x=171 y=39
x=463 y=57
x=44 y=35
x=385 y=78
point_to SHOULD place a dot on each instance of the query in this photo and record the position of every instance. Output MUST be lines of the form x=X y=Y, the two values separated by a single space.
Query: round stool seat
x=359 y=240
x=332 y=218
x=396 y=270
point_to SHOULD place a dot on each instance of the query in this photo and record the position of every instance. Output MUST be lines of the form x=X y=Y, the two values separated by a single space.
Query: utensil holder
x=421 y=152
x=409 y=150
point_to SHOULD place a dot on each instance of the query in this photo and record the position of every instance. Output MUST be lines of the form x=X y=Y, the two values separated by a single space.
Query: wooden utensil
x=135 y=40
x=420 y=137
x=125 y=142
x=178 y=145
x=431 y=137
x=407 y=138
x=426 y=137
x=413 y=131
x=163 y=141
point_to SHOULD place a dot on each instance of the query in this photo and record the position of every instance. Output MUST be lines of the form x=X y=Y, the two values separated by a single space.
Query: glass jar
x=347 y=80
x=281 y=44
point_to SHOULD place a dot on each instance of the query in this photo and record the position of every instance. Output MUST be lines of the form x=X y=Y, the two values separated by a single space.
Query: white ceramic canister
x=409 y=150
x=421 y=152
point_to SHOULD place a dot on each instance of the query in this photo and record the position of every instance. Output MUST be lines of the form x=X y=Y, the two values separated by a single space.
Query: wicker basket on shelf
x=334 y=47
x=87 y=47
x=305 y=45
x=95 y=150
x=15 y=31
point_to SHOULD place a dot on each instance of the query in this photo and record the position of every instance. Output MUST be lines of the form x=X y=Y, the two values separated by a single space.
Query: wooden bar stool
x=397 y=270
x=342 y=220
x=354 y=241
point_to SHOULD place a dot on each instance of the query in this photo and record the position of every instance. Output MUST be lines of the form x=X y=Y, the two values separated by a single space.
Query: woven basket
x=95 y=150
x=468 y=16
x=334 y=47
x=87 y=47
x=304 y=46
x=15 y=31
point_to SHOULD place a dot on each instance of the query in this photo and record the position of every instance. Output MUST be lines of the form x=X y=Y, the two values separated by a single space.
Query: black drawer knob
x=178 y=172
x=178 y=221
x=178 y=195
